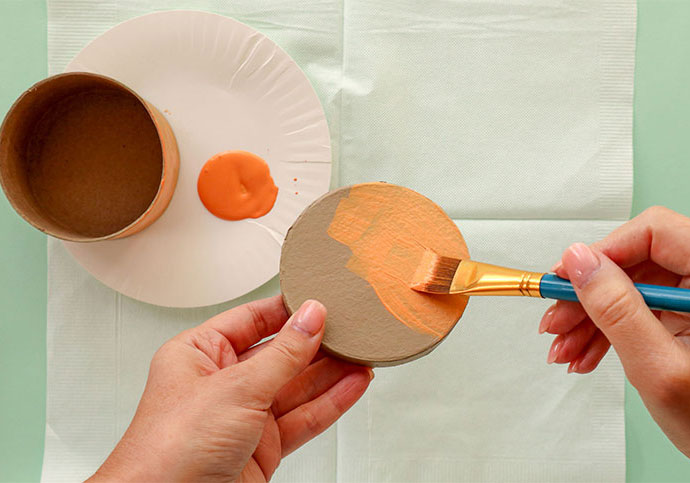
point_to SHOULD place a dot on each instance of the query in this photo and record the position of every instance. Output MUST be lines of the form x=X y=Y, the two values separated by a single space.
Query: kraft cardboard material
x=82 y=158
x=359 y=328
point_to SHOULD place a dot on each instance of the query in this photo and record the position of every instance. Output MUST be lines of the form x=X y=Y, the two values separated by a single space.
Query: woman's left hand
x=218 y=407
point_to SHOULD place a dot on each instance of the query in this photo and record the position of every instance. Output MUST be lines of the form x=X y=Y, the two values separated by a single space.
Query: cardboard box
x=84 y=158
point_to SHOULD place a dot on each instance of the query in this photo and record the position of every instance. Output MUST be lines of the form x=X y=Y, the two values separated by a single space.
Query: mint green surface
x=22 y=267
x=662 y=172
x=661 y=137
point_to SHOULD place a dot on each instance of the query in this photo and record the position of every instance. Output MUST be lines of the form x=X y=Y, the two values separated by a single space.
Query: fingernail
x=557 y=266
x=584 y=264
x=553 y=352
x=573 y=366
x=309 y=318
x=546 y=319
x=371 y=373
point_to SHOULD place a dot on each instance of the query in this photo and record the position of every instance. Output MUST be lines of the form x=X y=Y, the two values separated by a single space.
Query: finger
x=684 y=338
x=216 y=348
x=650 y=272
x=265 y=453
x=568 y=346
x=658 y=234
x=252 y=472
x=247 y=324
x=309 y=420
x=590 y=358
x=259 y=378
x=253 y=350
x=562 y=317
x=259 y=347
x=618 y=310
x=676 y=323
x=559 y=270
x=311 y=383
x=646 y=271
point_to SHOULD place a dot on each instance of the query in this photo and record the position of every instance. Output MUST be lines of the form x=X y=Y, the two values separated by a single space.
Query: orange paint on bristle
x=435 y=273
x=389 y=232
x=235 y=185
x=424 y=269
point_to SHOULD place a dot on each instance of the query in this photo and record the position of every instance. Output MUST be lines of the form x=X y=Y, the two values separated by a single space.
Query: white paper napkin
x=500 y=109
x=515 y=116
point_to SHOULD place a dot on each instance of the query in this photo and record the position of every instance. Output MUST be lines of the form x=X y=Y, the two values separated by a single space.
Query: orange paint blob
x=235 y=185
x=388 y=228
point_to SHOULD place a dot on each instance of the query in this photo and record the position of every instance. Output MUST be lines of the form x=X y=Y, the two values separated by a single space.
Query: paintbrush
x=446 y=275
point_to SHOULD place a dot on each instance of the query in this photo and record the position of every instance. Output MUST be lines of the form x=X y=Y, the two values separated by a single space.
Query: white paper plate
x=222 y=86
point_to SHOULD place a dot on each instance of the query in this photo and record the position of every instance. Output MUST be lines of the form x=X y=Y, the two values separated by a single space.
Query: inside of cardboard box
x=82 y=159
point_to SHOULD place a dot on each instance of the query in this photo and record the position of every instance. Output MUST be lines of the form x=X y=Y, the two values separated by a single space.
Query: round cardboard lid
x=355 y=250
x=222 y=86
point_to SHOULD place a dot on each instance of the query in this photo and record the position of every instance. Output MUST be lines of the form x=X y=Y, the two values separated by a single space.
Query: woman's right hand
x=653 y=347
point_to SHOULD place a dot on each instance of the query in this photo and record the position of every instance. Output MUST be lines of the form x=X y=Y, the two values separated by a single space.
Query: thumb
x=286 y=355
x=616 y=307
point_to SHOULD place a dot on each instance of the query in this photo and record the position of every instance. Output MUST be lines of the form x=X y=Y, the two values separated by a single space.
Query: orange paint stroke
x=235 y=185
x=388 y=228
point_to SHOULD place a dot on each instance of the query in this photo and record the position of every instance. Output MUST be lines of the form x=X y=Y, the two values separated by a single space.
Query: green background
x=662 y=171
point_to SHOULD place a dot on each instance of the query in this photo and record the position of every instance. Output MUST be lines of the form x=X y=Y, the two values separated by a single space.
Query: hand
x=653 y=347
x=216 y=408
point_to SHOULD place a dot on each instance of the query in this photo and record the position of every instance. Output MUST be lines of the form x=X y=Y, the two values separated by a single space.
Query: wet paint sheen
x=388 y=228
x=235 y=185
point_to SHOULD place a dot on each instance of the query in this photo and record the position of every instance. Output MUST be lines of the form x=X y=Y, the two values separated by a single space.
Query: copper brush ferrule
x=476 y=278
x=446 y=275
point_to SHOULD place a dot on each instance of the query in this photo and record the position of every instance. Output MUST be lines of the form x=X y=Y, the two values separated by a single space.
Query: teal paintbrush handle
x=657 y=297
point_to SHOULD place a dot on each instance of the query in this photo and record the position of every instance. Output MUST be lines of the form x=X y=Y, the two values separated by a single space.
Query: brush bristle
x=435 y=273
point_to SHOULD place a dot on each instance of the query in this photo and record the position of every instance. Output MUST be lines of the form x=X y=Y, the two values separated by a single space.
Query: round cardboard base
x=360 y=328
